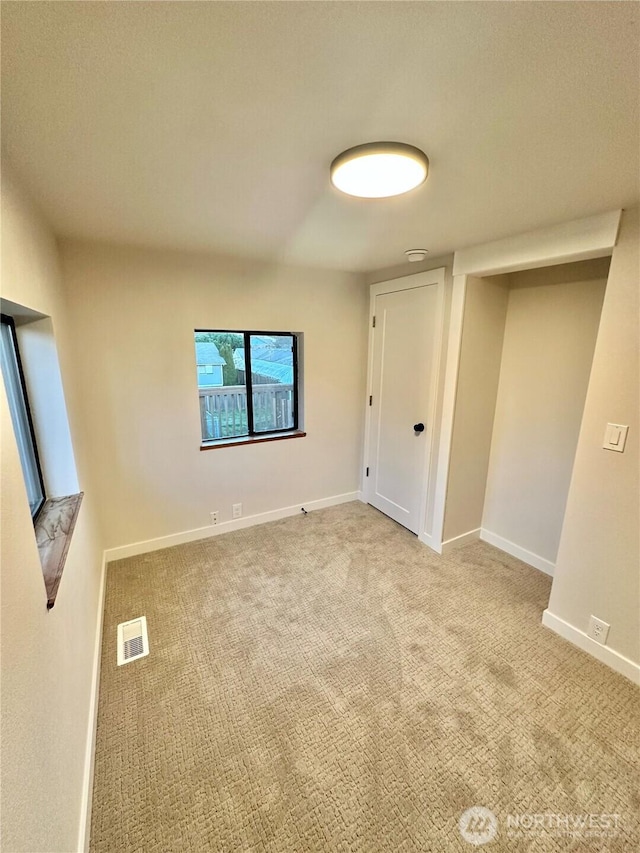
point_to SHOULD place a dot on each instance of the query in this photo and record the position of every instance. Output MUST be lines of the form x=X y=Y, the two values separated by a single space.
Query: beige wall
x=551 y=327
x=598 y=562
x=485 y=311
x=47 y=657
x=134 y=312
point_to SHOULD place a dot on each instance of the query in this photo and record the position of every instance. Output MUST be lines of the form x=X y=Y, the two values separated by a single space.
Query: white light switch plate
x=615 y=437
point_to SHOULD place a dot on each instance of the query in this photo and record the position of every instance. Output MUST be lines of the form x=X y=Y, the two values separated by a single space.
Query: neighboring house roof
x=275 y=364
x=207 y=353
x=263 y=340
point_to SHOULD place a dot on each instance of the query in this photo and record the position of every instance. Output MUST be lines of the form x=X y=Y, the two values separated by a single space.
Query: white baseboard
x=529 y=557
x=430 y=541
x=614 y=660
x=172 y=539
x=84 y=830
x=463 y=539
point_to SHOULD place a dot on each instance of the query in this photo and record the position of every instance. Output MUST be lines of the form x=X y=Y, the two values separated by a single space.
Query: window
x=21 y=416
x=33 y=354
x=257 y=392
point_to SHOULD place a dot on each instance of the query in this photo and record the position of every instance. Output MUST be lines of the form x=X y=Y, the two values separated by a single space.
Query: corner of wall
x=599 y=553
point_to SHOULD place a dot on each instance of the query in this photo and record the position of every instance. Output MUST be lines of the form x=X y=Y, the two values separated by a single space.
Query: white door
x=402 y=373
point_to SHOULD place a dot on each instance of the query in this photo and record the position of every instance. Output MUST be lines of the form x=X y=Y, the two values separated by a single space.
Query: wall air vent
x=133 y=641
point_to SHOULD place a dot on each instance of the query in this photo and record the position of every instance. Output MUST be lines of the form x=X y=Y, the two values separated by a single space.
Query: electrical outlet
x=598 y=630
x=214 y=517
x=237 y=511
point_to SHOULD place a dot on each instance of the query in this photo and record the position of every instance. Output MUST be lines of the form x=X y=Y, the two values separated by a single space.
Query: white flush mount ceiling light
x=379 y=169
x=416 y=255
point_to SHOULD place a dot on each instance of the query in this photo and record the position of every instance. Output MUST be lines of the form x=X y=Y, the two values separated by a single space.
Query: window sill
x=251 y=439
x=54 y=528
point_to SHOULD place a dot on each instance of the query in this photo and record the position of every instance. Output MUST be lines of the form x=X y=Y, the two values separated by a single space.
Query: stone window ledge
x=54 y=528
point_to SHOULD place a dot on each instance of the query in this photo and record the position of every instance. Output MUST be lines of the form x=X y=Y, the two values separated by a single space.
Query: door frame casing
x=430 y=278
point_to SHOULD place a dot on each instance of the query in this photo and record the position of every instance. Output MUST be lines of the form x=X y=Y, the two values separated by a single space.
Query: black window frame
x=7 y=320
x=246 y=336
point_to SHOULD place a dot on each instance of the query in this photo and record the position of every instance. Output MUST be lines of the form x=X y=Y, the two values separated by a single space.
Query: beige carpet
x=327 y=683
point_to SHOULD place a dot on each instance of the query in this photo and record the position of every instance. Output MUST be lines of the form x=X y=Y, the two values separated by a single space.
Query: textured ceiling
x=212 y=125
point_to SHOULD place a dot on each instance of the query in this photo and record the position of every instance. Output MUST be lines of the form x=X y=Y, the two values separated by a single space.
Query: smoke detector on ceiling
x=415 y=255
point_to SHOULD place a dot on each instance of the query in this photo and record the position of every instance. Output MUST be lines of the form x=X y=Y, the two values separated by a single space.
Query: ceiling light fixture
x=415 y=255
x=379 y=169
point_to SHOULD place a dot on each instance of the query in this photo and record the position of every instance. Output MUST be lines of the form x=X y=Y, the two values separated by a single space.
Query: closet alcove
x=526 y=350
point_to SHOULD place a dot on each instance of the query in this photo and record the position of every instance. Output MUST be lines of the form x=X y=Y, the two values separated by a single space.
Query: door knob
x=418 y=427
